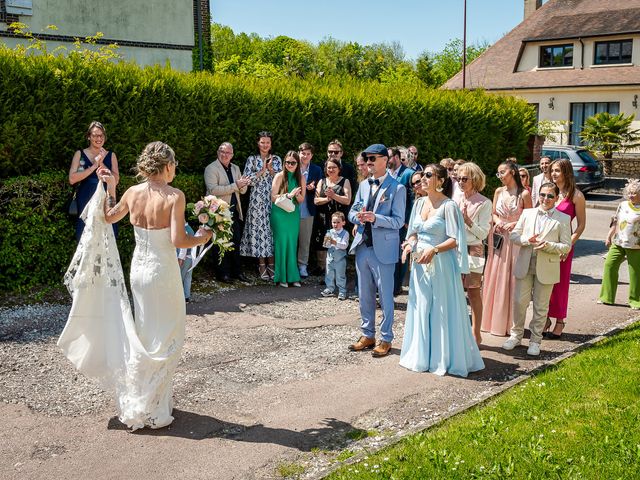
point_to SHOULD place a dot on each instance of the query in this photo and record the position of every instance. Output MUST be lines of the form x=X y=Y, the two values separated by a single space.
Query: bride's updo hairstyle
x=153 y=160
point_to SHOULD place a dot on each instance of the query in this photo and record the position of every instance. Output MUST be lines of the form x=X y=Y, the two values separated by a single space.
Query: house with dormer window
x=569 y=59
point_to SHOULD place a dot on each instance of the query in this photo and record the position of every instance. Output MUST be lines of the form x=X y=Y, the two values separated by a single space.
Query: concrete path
x=281 y=394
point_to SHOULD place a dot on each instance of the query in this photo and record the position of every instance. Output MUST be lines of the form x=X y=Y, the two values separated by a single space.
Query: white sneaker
x=303 y=271
x=534 y=349
x=327 y=293
x=283 y=285
x=511 y=343
x=297 y=284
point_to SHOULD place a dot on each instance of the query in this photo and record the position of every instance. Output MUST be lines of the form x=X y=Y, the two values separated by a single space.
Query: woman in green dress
x=286 y=225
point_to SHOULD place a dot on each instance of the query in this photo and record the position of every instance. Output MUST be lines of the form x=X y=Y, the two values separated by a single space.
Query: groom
x=378 y=211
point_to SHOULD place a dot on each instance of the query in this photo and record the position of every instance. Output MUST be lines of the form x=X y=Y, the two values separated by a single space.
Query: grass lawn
x=580 y=419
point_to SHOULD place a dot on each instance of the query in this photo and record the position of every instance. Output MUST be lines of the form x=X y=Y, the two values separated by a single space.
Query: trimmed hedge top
x=47 y=102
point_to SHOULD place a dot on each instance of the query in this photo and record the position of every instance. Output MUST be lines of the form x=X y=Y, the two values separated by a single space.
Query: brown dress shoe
x=381 y=350
x=363 y=343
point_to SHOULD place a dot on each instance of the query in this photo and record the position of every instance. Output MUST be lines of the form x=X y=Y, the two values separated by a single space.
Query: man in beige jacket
x=224 y=180
x=543 y=234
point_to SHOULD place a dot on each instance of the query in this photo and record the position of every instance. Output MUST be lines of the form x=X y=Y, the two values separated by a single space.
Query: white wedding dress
x=135 y=360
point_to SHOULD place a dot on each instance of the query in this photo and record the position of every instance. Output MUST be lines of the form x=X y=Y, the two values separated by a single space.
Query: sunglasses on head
x=550 y=196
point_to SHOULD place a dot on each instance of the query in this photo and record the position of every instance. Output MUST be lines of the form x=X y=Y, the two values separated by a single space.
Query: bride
x=135 y=360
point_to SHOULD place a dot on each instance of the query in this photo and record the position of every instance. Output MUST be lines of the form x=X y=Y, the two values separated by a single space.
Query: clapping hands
x=243 y=182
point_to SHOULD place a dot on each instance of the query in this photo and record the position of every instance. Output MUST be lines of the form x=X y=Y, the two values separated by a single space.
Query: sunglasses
x=428 y=174
x=373 y=158
x=463 y=179
x=524 y=175
x=450 y=169
x=333 y=152
x=417 y=182
x=502 y=174
x=291 y=163
x=550 y=196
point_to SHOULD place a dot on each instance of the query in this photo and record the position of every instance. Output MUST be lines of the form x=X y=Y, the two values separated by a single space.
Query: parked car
x=587 y=170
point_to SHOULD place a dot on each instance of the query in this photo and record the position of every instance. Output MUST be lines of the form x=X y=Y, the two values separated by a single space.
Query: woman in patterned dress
x=499 y=282
x=257 y=238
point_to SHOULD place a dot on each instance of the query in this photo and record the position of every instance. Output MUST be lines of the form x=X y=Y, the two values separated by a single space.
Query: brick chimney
x=530 y=6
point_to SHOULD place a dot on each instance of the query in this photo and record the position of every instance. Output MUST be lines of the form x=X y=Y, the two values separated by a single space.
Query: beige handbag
x=285 y=203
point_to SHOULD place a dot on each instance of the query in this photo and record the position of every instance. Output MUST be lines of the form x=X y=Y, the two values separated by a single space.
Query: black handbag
x=72 y=206
x=498 y=239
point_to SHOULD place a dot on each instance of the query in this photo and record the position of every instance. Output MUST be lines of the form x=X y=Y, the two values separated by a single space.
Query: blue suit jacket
x=390 y=211
x=404 y=177
x=315 y=175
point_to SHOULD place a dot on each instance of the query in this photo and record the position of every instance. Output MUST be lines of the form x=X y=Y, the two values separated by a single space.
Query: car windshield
x=586 y=157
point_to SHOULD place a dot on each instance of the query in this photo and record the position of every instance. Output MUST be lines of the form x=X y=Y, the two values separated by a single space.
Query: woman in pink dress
x=571 y=201
x=497 y=296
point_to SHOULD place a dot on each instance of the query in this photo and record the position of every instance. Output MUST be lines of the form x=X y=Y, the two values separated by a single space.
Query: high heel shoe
x=271 y=270
x=262 y=271
x=556 y=336
x=547 y=325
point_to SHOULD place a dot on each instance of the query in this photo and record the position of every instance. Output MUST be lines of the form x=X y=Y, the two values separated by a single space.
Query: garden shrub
x=47 y=102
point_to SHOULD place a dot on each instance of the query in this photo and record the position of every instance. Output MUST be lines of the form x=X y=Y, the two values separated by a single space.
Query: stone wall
x=628 y=167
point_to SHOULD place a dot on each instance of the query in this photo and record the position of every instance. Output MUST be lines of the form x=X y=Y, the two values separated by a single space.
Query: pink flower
x=203 y=218
x=213 y=207
x=198 y=206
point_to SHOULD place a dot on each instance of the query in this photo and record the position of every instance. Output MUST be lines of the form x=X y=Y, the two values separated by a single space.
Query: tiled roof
x=589 y=24
x=556 y=19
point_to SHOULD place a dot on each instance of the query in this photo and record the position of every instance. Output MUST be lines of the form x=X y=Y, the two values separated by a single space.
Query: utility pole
x=464 y=48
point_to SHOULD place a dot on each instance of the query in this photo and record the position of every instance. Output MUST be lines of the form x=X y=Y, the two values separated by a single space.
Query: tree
x=607 y=134
x=434 y=69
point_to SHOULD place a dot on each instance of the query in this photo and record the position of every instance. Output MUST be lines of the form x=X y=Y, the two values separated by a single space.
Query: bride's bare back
x=151 y=206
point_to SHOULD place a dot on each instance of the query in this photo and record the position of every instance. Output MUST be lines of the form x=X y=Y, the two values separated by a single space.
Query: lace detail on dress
x=101 y=338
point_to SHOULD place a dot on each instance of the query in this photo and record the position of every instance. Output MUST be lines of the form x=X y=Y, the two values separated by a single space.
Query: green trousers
x=615 y=257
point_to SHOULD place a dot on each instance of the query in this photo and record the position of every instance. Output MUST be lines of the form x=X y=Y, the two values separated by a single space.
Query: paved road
x=257 y=418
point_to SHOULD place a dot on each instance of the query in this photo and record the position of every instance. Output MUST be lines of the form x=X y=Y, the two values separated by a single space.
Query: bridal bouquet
x=214 y=214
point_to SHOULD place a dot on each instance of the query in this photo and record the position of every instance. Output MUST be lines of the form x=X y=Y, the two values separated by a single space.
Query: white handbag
x=285 y=203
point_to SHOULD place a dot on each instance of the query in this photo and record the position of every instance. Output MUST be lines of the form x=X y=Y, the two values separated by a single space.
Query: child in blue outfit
x=185 y=262
x=336 y=241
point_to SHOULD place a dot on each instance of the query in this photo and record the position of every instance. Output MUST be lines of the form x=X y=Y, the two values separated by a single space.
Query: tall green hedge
x=46 y=103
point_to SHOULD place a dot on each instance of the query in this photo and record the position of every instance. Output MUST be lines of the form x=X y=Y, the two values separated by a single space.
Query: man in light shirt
x=543 y=177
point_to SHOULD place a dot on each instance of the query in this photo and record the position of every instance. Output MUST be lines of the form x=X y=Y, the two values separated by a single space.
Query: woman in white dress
x=137 y=360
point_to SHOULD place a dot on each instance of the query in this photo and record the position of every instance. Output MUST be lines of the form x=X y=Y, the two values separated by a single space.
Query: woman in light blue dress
x=438 y=336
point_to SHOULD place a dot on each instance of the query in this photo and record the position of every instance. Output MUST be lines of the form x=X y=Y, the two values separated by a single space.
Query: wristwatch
x=436 y=249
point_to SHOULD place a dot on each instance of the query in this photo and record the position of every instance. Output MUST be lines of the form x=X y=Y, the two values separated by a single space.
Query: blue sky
x=417 y=25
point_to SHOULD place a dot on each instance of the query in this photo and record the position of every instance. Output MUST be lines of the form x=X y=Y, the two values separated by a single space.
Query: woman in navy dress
x=83 y=169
